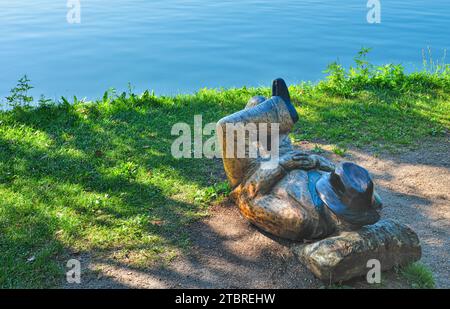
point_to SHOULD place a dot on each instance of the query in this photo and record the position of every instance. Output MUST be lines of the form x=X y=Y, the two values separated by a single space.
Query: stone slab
x=345 y=256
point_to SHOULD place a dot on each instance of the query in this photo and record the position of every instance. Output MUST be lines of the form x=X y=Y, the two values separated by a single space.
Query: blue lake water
x=175 y=46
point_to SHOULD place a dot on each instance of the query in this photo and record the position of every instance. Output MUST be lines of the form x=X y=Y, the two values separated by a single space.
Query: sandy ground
x=228 y=252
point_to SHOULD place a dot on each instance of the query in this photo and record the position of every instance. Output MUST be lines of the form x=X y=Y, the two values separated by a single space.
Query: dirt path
x=230 y=253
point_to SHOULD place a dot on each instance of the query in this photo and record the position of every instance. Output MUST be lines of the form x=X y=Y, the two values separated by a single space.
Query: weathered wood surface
x=345 y=256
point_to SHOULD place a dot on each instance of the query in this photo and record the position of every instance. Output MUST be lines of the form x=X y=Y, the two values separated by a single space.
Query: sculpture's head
x=349 y=193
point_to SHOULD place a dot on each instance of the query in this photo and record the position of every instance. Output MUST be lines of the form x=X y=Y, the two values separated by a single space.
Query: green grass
x=418 y=276
x=98 y=176
x=339 y=151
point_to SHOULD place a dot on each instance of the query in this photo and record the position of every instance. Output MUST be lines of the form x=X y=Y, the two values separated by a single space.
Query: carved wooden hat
x=349 y=193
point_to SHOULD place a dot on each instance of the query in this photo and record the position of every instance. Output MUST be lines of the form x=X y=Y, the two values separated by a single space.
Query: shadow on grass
x=101 y=183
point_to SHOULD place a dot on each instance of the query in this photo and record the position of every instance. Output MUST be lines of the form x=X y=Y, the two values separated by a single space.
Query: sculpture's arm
x=262 y=180
x=323 y=164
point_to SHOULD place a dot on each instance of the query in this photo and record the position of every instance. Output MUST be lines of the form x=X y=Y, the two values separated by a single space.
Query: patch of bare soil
x=228 y=252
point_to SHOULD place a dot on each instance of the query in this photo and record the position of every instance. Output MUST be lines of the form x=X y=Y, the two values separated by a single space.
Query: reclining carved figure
x=303 y=196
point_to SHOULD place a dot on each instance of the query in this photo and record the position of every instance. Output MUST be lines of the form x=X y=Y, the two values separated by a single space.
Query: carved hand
x=324 y=164
x=298 y=160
